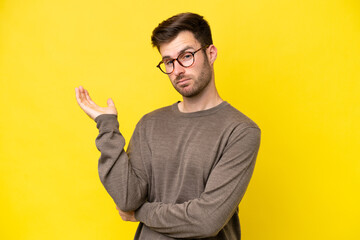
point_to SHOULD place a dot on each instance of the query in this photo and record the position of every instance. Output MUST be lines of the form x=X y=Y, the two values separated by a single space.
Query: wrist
x=107 y=121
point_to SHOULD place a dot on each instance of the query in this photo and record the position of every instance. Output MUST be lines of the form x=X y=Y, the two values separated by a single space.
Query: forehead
x=183 y=40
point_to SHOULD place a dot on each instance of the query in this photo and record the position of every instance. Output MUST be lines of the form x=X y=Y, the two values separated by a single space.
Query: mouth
x=182 y=81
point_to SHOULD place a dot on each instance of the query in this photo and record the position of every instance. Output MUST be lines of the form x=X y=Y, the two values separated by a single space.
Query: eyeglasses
x=185 y=59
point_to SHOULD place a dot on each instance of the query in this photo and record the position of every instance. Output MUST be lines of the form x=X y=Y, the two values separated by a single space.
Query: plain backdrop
x=291 y=66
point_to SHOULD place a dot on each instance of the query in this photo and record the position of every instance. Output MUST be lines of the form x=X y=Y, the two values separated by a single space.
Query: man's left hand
x=127 y=216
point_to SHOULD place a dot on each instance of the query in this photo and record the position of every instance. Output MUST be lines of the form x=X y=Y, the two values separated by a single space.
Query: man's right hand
x=91 y=108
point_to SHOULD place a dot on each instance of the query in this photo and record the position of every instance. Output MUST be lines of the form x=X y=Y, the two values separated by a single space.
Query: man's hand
x=127 y=216
x=89 y=107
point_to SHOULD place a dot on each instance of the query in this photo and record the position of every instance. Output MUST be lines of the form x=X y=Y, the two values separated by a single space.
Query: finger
x=110 y=103
x=89 y=101
x=83 y=96
x=78 y=96
x=81 y=93
x=88 y=98
x=77 y=93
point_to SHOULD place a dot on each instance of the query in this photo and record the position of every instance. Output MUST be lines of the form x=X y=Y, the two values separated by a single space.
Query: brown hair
x=170 y=28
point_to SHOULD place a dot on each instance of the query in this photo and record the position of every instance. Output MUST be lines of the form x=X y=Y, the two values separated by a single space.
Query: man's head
x=170 y=28
x=185 y=44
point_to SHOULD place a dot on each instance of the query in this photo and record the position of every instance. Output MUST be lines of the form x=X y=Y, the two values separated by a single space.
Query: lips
x=182 y=81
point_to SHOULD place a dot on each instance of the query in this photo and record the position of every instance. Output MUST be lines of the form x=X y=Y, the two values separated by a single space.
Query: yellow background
x=293 y=66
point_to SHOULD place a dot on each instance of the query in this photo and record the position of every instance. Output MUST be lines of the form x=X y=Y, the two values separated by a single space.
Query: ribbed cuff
x=107 y=121
x=141 y=214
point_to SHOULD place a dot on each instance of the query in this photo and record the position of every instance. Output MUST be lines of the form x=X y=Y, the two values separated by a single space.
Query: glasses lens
x=167 y=66
x=186 y=59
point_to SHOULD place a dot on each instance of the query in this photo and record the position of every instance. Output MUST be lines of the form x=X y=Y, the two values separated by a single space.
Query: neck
x=207 y=99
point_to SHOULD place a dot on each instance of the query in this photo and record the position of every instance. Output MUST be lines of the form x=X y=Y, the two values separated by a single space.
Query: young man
x=187 y=165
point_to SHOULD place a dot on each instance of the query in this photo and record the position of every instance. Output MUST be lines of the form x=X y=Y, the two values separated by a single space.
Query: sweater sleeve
x=123 y=179
x=207 y=215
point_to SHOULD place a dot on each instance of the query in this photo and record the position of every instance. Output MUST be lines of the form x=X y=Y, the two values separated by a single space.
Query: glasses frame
x=177 y=59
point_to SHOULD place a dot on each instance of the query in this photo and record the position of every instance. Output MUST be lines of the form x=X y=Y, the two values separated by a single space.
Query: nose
x=178 y=69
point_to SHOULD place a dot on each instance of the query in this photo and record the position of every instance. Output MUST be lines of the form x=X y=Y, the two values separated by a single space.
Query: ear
x=212 y=54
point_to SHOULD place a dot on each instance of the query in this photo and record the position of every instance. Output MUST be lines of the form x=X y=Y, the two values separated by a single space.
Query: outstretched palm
x=90 y=108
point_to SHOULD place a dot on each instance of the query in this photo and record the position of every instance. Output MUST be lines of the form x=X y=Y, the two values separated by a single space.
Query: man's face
x=192 y=80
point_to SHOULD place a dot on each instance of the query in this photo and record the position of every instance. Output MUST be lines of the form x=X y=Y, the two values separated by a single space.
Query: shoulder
x=236 y=118
x=241 y=128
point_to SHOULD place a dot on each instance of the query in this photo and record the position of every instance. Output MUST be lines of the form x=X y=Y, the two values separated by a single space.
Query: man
x=187 y=165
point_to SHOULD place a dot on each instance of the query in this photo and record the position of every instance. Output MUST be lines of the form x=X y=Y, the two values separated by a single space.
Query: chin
x=189 y=94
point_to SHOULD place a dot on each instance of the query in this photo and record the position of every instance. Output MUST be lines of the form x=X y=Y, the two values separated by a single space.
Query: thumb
x=110 y=103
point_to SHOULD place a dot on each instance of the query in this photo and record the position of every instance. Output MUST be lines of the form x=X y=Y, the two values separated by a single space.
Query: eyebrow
x=183 y=50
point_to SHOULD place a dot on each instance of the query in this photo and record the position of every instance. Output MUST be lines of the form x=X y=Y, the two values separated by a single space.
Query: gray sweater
x=183 y=174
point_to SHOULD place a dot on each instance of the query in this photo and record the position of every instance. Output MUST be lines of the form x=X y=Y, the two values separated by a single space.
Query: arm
x=124 y=181
x=226 y=185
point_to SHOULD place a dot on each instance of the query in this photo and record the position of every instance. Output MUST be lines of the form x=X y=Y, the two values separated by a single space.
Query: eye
x=186 y=56
x=168 y=62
